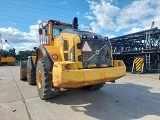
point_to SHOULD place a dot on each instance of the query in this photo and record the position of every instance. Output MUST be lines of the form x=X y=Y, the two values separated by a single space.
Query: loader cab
x=48 y=31
x=87 y=49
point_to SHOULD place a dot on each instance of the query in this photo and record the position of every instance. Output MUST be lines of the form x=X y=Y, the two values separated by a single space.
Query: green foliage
x=17 y=63
x=24 y=54
x=10 y=52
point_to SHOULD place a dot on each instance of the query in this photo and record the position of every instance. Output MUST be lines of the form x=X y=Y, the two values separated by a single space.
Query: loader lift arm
x=10 y=44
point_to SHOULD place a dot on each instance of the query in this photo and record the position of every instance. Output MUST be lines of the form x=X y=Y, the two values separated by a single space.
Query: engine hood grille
x=99 y=56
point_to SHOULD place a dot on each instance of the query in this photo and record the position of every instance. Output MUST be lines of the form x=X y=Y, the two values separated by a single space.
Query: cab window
x=57 y=31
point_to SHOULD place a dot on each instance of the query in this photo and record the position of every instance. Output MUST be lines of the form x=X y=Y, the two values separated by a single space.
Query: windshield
x=58 y=28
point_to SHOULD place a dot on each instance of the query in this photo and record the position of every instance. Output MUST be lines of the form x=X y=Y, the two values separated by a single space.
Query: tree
x=25 y=54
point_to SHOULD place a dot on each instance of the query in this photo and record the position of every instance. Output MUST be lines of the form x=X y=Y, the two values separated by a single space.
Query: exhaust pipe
x=75 y=23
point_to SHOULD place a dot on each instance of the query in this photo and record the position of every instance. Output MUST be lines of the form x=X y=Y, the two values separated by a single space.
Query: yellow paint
x=81 y=77
x=80 y=74
x=34 y=59
x=138 y=61
x=73 y=40
x=78 y=52
x=39 y=79
x=51 y=50
x=8 y=60
x=91 y=65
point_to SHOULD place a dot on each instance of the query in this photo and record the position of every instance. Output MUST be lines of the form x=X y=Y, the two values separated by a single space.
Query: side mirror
x=40 y=31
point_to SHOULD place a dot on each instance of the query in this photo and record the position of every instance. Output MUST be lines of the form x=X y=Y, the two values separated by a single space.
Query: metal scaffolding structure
x=144 y=44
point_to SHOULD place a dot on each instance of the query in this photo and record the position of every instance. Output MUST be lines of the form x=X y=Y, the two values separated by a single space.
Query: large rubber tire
x=31 y=72
x=93 y=87
x=44 y=82
x=23 y=70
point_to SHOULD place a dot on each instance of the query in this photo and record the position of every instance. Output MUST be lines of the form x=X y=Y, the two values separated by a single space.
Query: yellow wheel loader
x=4 y=58
x=70 y=58
x=9 y=60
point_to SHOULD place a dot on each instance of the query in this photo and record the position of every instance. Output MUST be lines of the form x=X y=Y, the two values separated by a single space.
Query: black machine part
x=100 y=55
x=75 y=23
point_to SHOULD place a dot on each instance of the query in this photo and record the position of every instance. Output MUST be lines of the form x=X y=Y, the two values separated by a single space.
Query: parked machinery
x=70 y=58
x=4 y=57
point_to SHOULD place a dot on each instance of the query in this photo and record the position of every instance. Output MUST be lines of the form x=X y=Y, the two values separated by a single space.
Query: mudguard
x=47 y=53
x=48 y=61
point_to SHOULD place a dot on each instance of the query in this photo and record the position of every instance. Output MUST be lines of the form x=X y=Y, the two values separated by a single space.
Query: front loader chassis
x=45 y=88
x=44 y=78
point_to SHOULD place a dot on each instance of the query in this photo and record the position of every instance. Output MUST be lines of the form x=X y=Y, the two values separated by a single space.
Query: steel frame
x=144 y=43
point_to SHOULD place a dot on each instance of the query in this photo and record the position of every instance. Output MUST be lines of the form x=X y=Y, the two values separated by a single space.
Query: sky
x=19 y=19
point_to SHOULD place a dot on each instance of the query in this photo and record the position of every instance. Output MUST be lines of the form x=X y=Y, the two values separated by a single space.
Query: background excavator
x=7 y=57
x=70 y=58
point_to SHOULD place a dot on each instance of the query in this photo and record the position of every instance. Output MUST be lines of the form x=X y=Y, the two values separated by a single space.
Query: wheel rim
x=39 y=79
